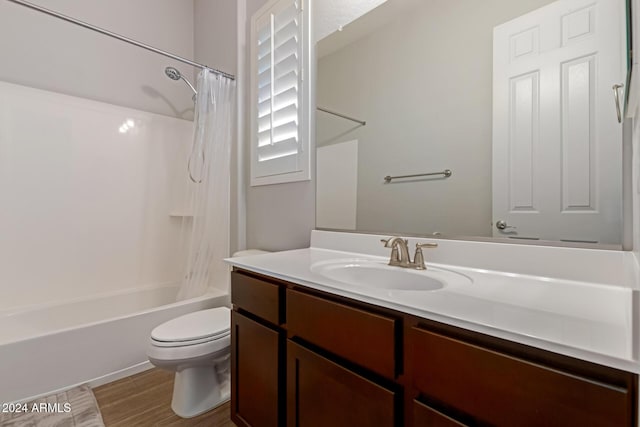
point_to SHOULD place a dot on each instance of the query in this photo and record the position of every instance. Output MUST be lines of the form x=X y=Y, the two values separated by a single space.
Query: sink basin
x=379 y=275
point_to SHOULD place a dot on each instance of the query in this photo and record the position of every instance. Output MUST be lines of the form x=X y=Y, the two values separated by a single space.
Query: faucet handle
x=418 y=258
x=426 y=245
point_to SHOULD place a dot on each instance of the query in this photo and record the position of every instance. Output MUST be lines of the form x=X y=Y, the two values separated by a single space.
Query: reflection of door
x=557 y=145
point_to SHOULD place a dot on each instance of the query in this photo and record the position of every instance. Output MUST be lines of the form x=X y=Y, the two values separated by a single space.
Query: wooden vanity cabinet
x=330 y=363
x=257 y=343
x=304 y=358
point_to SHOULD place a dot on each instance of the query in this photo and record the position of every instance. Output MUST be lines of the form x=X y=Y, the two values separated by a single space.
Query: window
x=279 y=88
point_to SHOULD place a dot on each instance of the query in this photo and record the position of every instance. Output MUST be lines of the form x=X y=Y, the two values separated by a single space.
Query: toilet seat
x=169 y=356
x=194 y=328
x=188 y=342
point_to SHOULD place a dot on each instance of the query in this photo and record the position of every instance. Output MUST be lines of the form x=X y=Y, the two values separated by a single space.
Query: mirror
x=492 y=119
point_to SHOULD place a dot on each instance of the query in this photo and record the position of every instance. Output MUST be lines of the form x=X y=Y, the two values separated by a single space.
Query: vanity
x=314 y=345
x=480 y=121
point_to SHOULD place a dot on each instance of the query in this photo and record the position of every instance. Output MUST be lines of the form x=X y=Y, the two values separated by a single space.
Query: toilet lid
x=199 y=325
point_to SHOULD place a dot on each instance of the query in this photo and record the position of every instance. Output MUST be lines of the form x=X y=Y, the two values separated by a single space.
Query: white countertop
x=588 y=320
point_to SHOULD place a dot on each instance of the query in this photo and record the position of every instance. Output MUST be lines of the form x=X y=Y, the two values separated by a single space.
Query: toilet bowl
x=196 y=347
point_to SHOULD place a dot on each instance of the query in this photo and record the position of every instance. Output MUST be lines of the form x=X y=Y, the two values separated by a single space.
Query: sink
x=379 y=275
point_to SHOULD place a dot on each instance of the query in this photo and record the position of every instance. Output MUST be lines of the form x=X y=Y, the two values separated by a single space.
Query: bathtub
x=95 y=340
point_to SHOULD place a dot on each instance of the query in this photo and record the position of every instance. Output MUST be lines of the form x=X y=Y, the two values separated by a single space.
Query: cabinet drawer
x=256 y=296
x=364 y=338
x=426 y=416
x=322 y=393
x=502 y=390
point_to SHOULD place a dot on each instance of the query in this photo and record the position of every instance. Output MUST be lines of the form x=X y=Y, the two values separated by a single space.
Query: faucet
x=395 y=243
x=400 y=253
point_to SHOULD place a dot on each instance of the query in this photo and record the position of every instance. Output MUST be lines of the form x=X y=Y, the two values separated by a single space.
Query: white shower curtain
x=207 y=233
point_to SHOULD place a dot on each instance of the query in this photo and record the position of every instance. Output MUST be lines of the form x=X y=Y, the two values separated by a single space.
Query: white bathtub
x=97 y=340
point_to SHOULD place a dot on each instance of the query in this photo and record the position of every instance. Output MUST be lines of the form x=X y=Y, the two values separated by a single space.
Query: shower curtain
x=207 y=232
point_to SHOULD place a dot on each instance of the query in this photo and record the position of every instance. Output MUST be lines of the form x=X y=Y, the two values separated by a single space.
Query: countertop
x=587 y=320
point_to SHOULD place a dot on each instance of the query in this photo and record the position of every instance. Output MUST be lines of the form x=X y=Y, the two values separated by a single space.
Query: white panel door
x=557 y=145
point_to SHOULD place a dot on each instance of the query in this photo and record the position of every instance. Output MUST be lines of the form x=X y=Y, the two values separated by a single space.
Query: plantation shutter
x=278 y=116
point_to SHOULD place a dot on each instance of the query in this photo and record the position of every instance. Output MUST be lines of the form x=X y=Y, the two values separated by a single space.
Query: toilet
x=196 y=347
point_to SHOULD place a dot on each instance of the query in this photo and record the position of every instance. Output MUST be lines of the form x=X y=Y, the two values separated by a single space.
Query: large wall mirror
x=466 y=118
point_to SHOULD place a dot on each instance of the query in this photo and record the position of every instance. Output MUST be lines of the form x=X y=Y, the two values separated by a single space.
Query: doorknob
x=502 y=225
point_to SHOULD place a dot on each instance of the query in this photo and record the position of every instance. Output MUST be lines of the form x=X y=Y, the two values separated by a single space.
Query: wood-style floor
x=144 y=400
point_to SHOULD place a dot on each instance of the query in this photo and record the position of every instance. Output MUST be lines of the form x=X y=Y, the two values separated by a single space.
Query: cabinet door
x=254 y=373
x=322 y=393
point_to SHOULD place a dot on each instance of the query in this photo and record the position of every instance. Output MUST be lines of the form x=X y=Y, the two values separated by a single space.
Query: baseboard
x=96 y=382
x=122 y=373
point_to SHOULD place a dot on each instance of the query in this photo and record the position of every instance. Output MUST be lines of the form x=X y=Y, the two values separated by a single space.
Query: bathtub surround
x=209 y=168
x=86 y=202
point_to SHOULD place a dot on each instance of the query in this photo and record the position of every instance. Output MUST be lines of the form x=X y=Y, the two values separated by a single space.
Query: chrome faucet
x=400 y=253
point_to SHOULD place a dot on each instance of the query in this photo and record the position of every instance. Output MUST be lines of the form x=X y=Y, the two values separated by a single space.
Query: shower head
x=172 y=73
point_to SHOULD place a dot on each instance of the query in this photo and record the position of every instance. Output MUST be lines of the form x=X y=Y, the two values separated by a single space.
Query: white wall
x=216 y=34
x=423 y=84
x=43 y=52
x=85 y=207
x=280 y=216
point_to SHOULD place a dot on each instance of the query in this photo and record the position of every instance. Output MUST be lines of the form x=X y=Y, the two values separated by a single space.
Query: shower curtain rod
x=119 y=37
